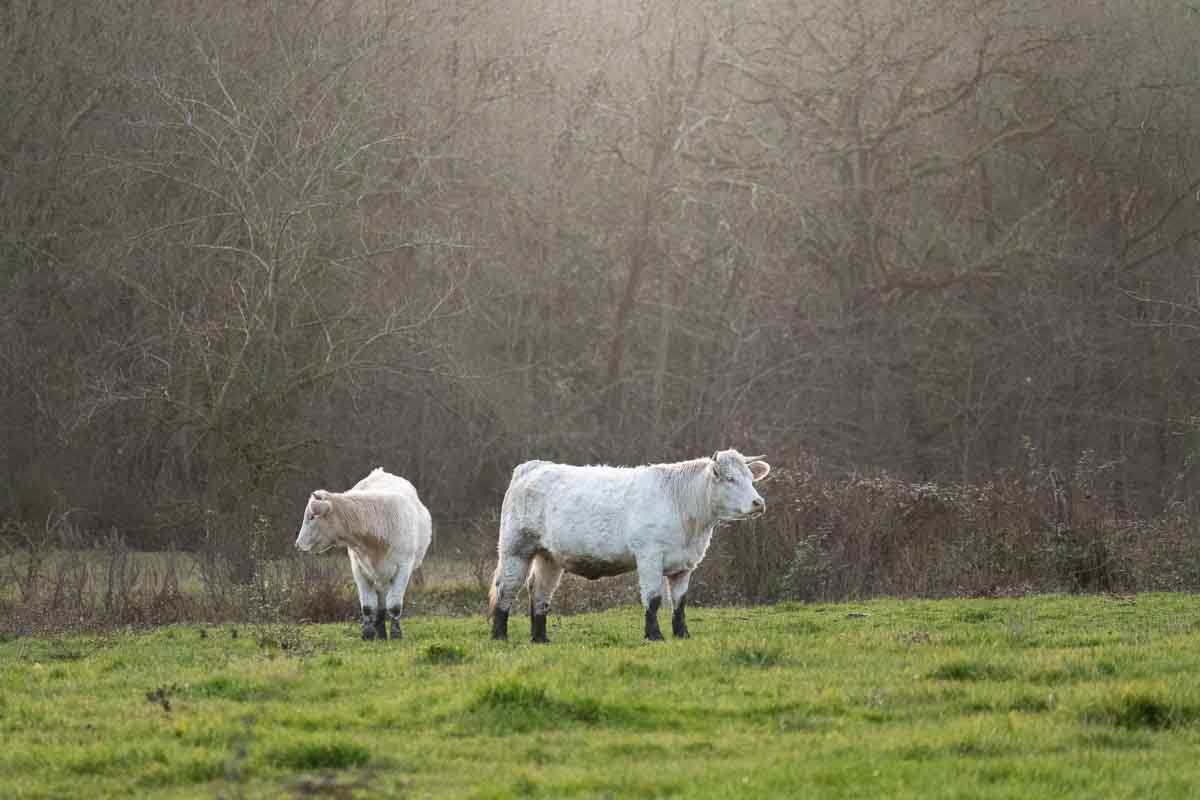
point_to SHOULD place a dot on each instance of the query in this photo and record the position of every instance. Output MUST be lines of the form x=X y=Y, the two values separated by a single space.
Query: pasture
x=1033 y=697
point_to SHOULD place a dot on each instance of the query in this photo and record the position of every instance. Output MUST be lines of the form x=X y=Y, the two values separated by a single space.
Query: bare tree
x=253 y=247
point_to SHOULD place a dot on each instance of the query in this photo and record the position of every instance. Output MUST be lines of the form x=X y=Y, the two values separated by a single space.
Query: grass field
x=1035 y=697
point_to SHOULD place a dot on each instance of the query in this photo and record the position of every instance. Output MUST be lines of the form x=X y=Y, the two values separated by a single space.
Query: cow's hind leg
x=679 y=586
x=543 y=580
x=381 y=619
x=511 y=572
x=395 y=598
x=368 y=600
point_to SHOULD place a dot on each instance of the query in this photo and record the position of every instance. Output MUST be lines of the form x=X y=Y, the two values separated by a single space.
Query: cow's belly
x=593 y=568
x=591 y=557
x=585 y=537
x=597 y=538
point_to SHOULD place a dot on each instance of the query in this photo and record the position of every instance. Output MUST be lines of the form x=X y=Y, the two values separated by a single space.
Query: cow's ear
x=759 y=470
x=318 y=506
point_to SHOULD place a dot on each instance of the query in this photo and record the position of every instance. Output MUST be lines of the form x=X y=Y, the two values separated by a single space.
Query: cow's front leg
x=395 y=598
x=650 y=579
x=679 y=586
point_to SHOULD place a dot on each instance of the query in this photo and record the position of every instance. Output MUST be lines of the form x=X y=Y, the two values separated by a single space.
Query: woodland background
x=938 y=259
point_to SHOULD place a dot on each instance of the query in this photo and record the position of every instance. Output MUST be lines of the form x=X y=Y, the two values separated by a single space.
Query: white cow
x=385 y=528
x=600 y=521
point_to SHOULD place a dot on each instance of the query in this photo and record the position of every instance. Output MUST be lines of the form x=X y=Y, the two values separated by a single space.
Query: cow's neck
x=356 y=516
x=696 y=508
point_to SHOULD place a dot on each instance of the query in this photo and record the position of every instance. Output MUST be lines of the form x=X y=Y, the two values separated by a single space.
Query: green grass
x=1045 y=696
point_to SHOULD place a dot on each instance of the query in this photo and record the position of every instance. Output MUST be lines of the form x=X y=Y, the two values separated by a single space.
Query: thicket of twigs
x=1030 y=530
x=824 y=538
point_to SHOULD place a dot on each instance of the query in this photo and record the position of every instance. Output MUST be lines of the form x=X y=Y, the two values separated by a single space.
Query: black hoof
x=679 y=621
x=500 y=625
x=653 y=633
x=369 y=634
x=396 y=632
x=538 y=628
x=381 y=625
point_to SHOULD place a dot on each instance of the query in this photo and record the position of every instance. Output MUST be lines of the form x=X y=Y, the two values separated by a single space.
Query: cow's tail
x=492 y=589
x=509 y=497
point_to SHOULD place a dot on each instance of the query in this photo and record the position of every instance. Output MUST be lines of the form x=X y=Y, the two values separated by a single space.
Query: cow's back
x=414 y=516
x=572 y=511
x=380 y=480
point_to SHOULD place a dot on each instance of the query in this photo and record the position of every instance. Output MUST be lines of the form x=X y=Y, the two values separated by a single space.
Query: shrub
x=831 y=537
x=443 y=654
x=972 y=671
x=512 y=706
x=1142 y=709
x=320 y=755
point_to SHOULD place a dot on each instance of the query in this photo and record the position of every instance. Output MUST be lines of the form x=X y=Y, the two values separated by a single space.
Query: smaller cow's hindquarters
x=386 y=531
x=379 y=605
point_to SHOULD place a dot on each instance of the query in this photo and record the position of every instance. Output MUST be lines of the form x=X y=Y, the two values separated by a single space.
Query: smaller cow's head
x=732 y=477
x=317 y=532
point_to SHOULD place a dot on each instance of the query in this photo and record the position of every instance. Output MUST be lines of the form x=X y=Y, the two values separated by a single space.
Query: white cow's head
x=731 y=480
x=317 y=532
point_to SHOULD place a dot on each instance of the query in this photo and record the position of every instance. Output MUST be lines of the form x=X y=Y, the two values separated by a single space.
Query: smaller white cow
x=600 y=521
x=385 y=528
